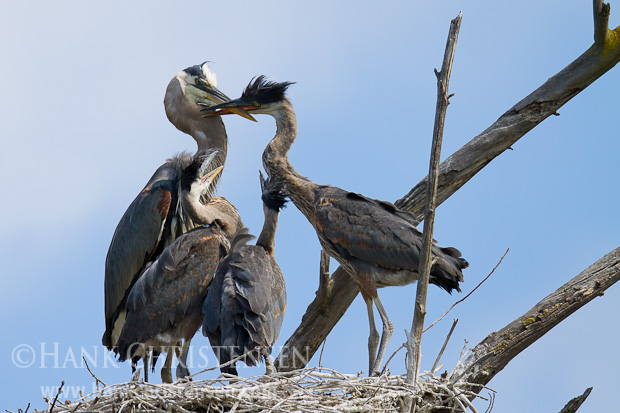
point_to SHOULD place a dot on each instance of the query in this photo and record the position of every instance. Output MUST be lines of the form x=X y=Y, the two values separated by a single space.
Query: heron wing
x=373 y=231
x=174 y=286
x=135 y=240
x=246 y=307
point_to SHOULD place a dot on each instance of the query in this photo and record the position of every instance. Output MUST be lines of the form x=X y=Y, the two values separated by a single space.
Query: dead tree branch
x=414 y=337
x=493 y=353
x=574 y=404
x=454 y=172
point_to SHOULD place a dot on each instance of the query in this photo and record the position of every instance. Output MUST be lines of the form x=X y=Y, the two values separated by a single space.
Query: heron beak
x=230 y=107
x=217 y=96
x=210 y=177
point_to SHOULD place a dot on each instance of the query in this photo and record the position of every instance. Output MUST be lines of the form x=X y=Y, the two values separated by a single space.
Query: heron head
x=260 y=96
x=195 y=87
x=201 y=176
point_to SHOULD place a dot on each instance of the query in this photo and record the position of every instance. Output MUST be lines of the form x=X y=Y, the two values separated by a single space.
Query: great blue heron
x=373 y=241
x=246 y=300
x=156 y=217
x=165 y=304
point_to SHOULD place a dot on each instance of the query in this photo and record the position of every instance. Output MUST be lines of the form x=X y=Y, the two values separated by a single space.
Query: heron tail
x=446 y=272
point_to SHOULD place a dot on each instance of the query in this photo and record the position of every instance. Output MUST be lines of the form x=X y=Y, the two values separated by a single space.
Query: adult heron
x=165 y=305
x=156 y=217
x=246 y=300
x=374 y=241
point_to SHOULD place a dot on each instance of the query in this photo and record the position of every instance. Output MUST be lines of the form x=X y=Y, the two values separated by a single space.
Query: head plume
x=263 y=91
x=202 y=71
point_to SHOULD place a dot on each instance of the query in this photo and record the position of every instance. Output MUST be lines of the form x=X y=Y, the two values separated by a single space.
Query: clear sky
x=83 y=128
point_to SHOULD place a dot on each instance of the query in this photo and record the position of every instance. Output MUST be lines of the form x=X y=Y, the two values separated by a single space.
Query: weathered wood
x=493 y=353
x=454 y=172
x=574 y=404
x=414 y=337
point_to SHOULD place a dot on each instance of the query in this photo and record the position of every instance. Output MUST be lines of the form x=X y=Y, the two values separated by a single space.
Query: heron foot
x=166 y=375
x=182 y=371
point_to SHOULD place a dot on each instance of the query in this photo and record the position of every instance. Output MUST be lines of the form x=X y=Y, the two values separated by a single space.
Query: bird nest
x=307 y=390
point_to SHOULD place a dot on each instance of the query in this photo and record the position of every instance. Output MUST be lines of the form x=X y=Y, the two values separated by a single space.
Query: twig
x=443 y=78
x=321 y=355
x=228 y=363
x=62 y=383
x=391 y=357
x=98 y=380
x=491 y=402
x=444 y=345
x=470 y=293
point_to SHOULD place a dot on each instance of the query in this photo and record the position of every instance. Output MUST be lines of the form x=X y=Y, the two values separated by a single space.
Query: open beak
x=217 y=96
x=211 y=176
x=229 y=107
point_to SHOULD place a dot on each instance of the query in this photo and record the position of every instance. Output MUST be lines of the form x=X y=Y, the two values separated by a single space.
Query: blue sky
x=83 y=128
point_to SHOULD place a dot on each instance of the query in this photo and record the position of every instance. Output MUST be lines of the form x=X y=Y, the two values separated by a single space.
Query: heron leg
x=388 y=328
x=145 y=361
x=182 y=370
x=373 y=338
x=166 y=370
x=269 y=367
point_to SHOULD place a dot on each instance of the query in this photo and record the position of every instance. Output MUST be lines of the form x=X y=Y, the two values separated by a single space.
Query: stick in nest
x=97 y=379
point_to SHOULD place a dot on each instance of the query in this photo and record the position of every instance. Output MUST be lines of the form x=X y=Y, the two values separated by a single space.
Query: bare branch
x=493 y=353
x=601 y=22
x=454 y=172
x=391 y=357
x=62 y=384
x=443 y=348
x=414 y=339
x=574 y=404
x=97 y=379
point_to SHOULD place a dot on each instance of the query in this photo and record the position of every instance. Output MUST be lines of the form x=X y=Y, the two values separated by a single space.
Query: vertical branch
x=443 y=78
x=601 y=21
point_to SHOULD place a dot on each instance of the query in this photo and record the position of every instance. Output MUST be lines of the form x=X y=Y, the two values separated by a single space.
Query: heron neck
x=210 y=133
x=267 y=237
x=276 y=163
x=185 y=115
x=211 y=213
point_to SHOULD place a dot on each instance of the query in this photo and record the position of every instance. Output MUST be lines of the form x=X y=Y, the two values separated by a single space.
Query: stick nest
x=308 y=390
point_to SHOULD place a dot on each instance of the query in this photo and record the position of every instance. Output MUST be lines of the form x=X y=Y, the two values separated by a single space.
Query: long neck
x=267 y=237
x=276 y=163
x=218 y=211
x=209 y=133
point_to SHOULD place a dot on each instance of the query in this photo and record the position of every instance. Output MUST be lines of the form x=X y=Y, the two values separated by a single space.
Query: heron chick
x=245 y=304
x=165 y=305
x=374 y=241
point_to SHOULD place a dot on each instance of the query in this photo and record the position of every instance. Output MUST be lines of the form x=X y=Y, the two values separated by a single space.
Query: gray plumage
x=375 y=242
x=246 y=301
x=164 y=306
x=156 y=218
